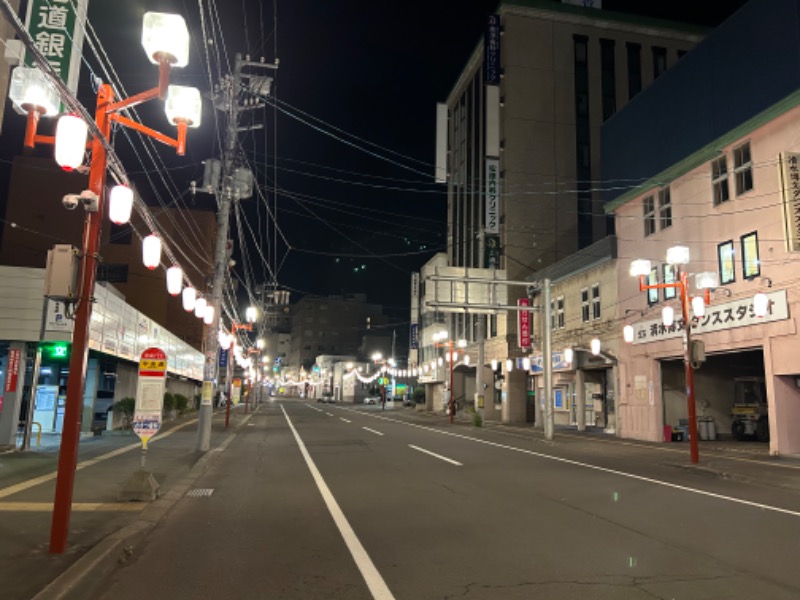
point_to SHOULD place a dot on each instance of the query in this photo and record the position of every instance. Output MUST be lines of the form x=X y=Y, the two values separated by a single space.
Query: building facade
x=523 y=142
x=725 y=183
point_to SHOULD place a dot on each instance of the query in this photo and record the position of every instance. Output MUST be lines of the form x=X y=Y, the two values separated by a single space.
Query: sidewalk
x=101 y=527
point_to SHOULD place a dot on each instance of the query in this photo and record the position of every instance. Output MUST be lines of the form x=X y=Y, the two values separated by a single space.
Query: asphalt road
x=317 y=501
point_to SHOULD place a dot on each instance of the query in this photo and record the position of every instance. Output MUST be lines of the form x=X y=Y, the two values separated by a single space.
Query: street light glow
x=678 y=255
x=640 y=267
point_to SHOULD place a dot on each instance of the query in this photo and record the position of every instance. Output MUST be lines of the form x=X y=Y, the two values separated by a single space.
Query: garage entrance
x=717 y=383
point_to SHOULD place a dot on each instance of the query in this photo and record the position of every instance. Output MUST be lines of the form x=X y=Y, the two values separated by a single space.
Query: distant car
x=372 y=399
x=407 y=401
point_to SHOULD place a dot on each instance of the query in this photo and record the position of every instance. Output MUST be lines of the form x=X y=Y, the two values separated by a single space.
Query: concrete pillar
x=514 y=405
x=580 y=399
x=90 y=394
x=12 y=398
x=538 y=412
x=612 y=397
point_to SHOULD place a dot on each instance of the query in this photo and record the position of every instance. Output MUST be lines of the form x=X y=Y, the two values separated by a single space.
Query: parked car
x=372 y=400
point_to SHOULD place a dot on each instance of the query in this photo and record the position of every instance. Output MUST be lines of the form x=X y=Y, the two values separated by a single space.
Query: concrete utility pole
x=234 y=183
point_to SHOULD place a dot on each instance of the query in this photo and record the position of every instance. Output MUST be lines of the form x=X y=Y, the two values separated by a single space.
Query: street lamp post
x=678 y=256
x=166 y=42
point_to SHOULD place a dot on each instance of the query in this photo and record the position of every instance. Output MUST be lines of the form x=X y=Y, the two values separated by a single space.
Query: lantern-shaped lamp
x=569 y=354
x=70 y=141
x=698 y=306
x=627 y=333
x=208 y=314
x=165 y=38
x=640 y=267
x=200 y=307
x=668 y=316
x=509 y=365
x=30 y=90
x=440 y=361
x=595 y=345
x=760 y=304
x=466 y=361
x=250 y=314
x=151 y=251
x=184 y=105
x=526 y=364
x=678 y=255
x=189 y=296
x=174 y=280
x=120 y=204
x=494 y=364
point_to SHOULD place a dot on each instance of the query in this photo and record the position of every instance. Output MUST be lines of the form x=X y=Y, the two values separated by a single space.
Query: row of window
x=742 y=174
x=657 y=209
x=590 y=307
x=751 y=267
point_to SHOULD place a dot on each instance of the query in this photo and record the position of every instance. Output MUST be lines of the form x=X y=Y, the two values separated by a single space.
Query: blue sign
x=414 y=336
x=223 y=358
x=491 y=47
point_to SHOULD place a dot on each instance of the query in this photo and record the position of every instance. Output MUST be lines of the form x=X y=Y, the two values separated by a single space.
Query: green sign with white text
x=56 y=27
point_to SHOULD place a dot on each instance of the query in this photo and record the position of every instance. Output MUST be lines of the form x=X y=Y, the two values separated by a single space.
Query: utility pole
x=232 y=183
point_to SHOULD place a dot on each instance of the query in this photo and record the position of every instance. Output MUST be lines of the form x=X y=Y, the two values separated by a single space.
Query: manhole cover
x=200 y=492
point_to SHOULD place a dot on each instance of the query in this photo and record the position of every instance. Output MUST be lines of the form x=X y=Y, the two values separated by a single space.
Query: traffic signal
x=55 y=351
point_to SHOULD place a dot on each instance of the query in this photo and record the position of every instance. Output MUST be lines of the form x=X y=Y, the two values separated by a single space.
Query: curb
x=84 y=577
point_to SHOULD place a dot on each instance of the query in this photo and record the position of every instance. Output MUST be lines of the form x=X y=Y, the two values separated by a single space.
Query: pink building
x=736 y=205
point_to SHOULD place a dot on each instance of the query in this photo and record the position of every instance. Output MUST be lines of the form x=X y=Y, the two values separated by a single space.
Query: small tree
x=419 y=395
x=169 y=402
x=125 y=407
x=181 y=403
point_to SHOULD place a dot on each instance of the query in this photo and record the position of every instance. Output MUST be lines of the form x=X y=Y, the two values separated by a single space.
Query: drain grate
x=200 y=492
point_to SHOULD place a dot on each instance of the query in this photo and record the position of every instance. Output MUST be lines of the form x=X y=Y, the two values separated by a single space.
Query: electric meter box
x=61 y=275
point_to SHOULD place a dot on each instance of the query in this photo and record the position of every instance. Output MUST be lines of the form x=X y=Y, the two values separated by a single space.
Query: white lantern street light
x=31 y=92
x=668 y=315
x=71 y=132
x=678 y=255
x=706 y=280
x=698 y=306
x=761 y=304
x=640 y=268
x=627 y=334
x=188 y=298
x=260 y=343
x=174 y=280
x=200 y=307
x=526 y=364
x=151 y=251
x=466 y=359
x=165 y=39
x=595 y=345
x=120 y=204
x=494 y=364
x=509 y=365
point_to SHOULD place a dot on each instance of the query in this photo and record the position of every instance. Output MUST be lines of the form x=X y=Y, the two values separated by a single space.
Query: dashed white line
x=329 y=414
x=369 y=572
x=345 y=420
x=372 y=431
x=439 y=456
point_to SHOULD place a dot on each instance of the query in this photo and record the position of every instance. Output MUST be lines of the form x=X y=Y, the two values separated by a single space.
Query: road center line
x=439 y=456
x=345 y=420
x=369 y=572
x=372 y=431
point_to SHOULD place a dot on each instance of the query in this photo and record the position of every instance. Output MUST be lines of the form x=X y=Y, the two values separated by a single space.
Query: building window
x=596 y=301
x=634 y=69
x=652 y=279
x=668 y=272
x=664 y=208
x=649 y=210
x=659 y=61
x=751 y=265
x=585 y=305
x=719 y=180
x=608 y=76
x=112 y=273
x=727 y=267
x=743 y=169
x=560 y=320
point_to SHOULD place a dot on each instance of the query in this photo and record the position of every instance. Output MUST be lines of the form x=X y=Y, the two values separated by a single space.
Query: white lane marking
x=372 y=431
x=345 y=420
x=439 y=456
x=576 y=463
x=329 y=414
x=24 y=485
x=369 y=572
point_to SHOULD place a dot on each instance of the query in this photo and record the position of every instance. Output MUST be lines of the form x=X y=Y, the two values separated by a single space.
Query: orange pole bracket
x=31 y=127
x=133 y=100
x=158 y=136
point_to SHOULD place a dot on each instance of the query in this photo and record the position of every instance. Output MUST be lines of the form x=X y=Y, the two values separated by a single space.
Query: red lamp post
x=107 y=111
x=678 y=256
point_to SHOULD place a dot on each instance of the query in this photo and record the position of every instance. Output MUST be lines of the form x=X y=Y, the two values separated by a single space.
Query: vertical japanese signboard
x=524 y=324
x=56 y=27
x=492 y=196
x=492 y=50
x=150 y=394
x=790 y=187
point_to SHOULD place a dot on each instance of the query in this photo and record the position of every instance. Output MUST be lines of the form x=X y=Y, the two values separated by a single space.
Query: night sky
x=369 y=73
